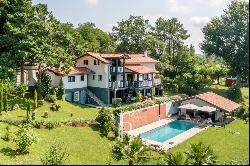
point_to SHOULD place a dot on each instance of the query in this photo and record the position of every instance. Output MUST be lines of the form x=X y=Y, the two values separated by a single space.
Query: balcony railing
x=157 y=81
x=119 y=69
x=134 y=84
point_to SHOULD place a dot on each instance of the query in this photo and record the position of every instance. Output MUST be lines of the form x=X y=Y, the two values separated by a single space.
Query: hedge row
x=139 y=105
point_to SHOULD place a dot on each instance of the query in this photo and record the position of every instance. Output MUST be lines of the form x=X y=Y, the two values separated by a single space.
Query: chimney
x=145 y=53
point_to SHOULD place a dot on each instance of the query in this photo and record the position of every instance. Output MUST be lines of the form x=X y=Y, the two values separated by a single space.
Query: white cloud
x=199 y=21
x=91 y=2
x=175 y=7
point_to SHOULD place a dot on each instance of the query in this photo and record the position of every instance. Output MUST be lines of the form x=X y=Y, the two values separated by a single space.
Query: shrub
x=138 y=97
x=44 y=87
x=52 y=98
x=53 y=91
x=38 y=124
x=116 y=102
x=28 y=110
x=1 y=98
x=51 y=125
x=55 y=107
x=60 y=91
x=106 y=121
x=13 y=122
x=78 y=122
x=20 y=89
x=5 y=101
x=56 y=155
x=24 y=138
x=6 y=136
x=35 y=100
x=234 y=93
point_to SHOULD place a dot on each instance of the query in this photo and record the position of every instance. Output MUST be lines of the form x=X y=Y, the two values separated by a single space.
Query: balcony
x=157 y=81
x=119 y=69
x=134 y=84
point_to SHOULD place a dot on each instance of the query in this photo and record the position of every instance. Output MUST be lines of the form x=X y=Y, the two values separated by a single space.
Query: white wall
x=101 y=69
x=55 y=79
x=77 y=84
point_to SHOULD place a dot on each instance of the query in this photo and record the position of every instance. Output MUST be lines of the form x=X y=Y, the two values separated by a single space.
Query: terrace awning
x=207 y=109
x=189 y=107
x=197 y=108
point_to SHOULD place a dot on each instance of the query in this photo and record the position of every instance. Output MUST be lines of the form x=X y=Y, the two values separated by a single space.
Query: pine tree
x=35 y=100
x=1 y=98
x=5 y=100
x=28 y=108
x=60 y=91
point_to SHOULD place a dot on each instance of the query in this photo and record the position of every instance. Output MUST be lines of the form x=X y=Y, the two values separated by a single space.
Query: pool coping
x=172 y=142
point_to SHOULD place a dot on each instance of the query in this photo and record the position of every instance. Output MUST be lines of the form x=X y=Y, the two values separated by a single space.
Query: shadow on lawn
x=9 y=152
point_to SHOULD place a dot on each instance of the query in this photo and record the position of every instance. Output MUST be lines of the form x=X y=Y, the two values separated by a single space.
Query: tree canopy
x=227 y=36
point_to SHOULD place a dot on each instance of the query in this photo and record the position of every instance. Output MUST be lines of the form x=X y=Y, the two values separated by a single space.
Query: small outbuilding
x=207 y=105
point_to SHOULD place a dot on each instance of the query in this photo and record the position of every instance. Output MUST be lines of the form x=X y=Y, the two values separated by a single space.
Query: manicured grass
x=226 y=146
x=79 y=111
x=84 y=145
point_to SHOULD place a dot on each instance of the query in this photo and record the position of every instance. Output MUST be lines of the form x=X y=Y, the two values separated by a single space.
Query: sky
x=193 y=14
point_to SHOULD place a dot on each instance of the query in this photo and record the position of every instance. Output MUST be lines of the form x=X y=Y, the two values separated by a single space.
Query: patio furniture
x=188 y=117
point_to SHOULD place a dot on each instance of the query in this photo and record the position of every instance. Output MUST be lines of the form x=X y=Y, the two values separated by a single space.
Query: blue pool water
x=170 y=130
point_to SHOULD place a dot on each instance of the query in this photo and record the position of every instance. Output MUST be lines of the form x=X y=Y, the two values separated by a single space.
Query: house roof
x=140 y=69
x=215 y=100
x=218 y=101
x=70 y=71
x=95 y=55
x=132 y=58
x=139 y=58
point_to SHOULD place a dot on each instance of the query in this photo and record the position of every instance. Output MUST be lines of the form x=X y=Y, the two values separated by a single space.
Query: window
x=71 y=79
x=96 y=62
x=93 y=77
x=145 y=76
x=85 y=62
x=76 y=96
x=82 y=78
x=100 y=78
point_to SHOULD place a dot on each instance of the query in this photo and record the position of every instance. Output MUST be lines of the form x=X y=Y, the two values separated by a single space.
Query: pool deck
x=169 y=143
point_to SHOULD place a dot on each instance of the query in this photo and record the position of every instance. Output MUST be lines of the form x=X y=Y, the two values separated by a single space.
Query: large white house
x=97 y=78
x=119 y=75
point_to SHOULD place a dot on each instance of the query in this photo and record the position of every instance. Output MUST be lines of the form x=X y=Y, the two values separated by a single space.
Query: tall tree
x=93 y=39
x=130 y=34
x=227 y=36
x=32 y=35
x=172 y=33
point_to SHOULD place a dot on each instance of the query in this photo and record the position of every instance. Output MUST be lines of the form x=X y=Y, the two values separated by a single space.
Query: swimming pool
x=170 y=130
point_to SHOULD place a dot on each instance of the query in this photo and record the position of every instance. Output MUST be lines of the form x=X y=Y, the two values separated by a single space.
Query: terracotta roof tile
x=134 y=58
x=95 y=55
x=140 y=58
x=218 y=101
x=140 y=69
x=71 y=71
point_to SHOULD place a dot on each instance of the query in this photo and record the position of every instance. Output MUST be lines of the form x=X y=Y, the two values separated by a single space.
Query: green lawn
x=86 y=146
x=226 y=146
x=79 y=111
